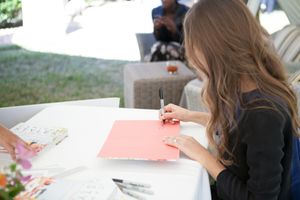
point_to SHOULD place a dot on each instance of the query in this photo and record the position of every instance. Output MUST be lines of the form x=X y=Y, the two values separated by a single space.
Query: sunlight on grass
x=29 y=77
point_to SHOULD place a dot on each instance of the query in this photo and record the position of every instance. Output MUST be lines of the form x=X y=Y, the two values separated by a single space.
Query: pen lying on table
x=135 y=188
x=127 y=186
x=131 y=183
x=132 y=194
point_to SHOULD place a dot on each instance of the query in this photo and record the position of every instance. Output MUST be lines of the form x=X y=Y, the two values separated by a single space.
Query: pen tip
x=160 y=91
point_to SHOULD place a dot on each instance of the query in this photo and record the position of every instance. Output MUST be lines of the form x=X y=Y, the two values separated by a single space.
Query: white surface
x=39 y=18
x=106 y=31
x=273 y=21
x=79 y=190
x=88 y=128
x=10 y=116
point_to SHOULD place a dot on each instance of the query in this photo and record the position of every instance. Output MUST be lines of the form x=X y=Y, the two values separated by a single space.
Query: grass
x=30 y=77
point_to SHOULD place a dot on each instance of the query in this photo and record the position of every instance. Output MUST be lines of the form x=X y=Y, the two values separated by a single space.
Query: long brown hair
x=233 y=45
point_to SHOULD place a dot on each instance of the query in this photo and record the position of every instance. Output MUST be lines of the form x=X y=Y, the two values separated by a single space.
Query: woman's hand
x=158 y=23
x=197 y=152
x=172 y=112
x=9 y=141
x=170 y=24
x=188 y=145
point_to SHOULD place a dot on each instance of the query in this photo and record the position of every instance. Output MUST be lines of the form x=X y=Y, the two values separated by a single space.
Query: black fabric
x=262 y=149
x=162 y=51
x=296 y=169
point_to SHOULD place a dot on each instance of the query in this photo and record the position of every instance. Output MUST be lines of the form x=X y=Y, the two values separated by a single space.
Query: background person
x=168 y=31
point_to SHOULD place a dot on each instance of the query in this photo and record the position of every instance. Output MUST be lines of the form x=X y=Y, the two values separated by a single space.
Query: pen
x=162 y=102
x=131 y=183
x=135 y=188
x=125 y=191
x=39 y=193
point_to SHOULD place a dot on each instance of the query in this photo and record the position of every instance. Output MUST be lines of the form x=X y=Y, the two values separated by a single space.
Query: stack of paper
x=140 y=140
x=64 y=189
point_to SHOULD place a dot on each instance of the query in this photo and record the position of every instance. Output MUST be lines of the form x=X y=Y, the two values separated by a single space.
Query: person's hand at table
x=188 y=145
x=193 y=149
x=174 y=112
x=9 y=141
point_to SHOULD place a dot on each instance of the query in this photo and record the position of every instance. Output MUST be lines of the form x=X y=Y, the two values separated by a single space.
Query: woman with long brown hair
x=252 y=117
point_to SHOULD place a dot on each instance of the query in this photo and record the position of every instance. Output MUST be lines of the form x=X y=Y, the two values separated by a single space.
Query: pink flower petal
x=24 y=163
x=25 y=178
x=23 y=153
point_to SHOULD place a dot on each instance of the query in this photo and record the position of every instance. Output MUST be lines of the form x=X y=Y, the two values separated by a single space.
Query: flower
x=23 y=156
x=11 y=178
x=3 y=180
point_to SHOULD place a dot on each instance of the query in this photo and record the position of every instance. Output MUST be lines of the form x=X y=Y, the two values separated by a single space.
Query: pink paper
x=140 y=140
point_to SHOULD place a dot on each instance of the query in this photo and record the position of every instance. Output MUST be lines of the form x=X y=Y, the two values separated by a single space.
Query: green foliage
x=28 y=77
x=4 y=195
x=13 y=184
x=13 y=167
x=10 y=13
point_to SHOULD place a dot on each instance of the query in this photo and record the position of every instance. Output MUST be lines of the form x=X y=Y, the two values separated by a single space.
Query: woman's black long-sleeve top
x=262 y=149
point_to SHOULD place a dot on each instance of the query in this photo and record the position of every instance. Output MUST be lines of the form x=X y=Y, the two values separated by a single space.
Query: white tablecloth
x=88 y=128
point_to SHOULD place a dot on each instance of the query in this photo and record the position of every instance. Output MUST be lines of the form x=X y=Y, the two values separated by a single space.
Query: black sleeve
x=262 y=133
x=153 y=13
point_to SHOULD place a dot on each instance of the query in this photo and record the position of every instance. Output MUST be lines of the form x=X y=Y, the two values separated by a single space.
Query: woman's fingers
x=169 y=115
x=177 y=141
x=169 y=107
x=11 y=150
x=25 y=144
x=172 y=141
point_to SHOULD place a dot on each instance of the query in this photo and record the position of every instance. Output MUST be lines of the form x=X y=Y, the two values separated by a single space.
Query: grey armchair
x=291 y=8
x=287 y=43
x=145 y=42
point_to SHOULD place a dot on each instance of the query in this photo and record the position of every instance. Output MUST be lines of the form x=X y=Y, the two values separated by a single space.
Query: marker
x=129 y=193
x=131 y=183
x=39 y=193
x=135 y=188
x=162 y=102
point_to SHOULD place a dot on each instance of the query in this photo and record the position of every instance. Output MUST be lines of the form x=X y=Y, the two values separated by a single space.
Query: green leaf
x=14 y=191
x=13 y=167
x=9 y=11
x=4 y=195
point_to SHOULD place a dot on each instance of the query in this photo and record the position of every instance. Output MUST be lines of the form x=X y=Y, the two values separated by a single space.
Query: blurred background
x=58 y=50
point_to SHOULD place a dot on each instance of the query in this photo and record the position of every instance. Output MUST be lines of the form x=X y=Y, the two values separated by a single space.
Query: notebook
x=40 y=138
x=140 y=140
x=43 y=188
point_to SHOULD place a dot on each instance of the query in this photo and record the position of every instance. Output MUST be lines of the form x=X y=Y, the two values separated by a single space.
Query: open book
x=46 y=189
x=38 y=137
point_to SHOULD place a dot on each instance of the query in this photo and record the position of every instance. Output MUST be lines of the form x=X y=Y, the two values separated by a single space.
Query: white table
x=88 y=128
